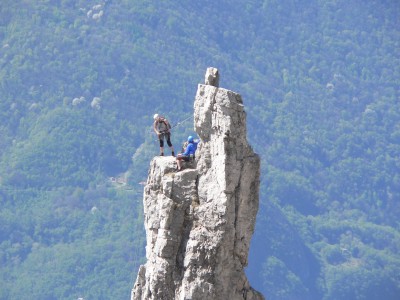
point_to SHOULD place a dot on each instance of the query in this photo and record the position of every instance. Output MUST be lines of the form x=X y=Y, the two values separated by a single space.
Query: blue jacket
x=190 y=149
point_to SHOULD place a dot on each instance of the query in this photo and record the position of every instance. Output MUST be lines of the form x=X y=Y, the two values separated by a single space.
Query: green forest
x=81 y=80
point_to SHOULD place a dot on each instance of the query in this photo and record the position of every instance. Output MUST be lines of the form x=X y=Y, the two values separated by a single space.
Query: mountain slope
x=80 y=81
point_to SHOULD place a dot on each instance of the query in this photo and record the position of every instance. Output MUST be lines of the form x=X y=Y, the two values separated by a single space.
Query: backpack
x=165 y=121
x=184 y=145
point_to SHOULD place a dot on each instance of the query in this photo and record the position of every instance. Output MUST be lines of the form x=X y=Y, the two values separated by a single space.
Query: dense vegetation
x=80 y=81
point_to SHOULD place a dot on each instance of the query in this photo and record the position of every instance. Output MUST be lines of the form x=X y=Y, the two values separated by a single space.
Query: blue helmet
x=190 y=139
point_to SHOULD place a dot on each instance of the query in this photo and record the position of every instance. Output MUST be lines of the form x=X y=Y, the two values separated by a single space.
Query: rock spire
x=199 y=222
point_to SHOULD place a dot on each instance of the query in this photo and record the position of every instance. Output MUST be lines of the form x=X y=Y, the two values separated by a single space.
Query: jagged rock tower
x=199 y=221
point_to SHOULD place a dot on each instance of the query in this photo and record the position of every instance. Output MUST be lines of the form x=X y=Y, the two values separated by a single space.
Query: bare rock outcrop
x=199 y=222
x=212 y=77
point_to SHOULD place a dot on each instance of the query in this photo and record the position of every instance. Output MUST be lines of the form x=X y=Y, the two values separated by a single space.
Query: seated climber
x=189 y=153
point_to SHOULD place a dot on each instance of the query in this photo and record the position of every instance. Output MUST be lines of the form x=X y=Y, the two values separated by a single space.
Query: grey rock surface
x=199 y=222
x=212 y=77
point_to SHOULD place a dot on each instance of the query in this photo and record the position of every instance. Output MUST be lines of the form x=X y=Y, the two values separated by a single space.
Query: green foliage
x=68 y=147
x=319 y=81
x=71 y=243
x=355 y=282
x=286 y=285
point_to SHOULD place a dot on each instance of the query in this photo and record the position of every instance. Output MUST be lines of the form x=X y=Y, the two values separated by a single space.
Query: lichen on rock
x=199 y=222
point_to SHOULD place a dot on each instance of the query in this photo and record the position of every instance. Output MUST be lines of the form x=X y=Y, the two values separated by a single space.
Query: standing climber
x=189 y=152
x=162 y=128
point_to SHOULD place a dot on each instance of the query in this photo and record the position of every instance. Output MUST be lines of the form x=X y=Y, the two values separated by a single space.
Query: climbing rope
x=173 y=126
x=181 y=122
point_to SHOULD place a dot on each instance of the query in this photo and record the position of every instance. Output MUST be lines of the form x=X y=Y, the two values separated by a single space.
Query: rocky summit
x=199 y=221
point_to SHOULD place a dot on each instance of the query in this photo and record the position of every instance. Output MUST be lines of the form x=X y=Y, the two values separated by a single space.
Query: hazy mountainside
x=80 y=81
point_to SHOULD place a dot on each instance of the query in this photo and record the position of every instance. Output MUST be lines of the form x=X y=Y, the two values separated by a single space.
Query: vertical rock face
x=199 y=221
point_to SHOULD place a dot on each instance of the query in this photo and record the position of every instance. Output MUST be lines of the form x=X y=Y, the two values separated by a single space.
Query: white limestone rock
x=212 y=77
x=199 y=222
